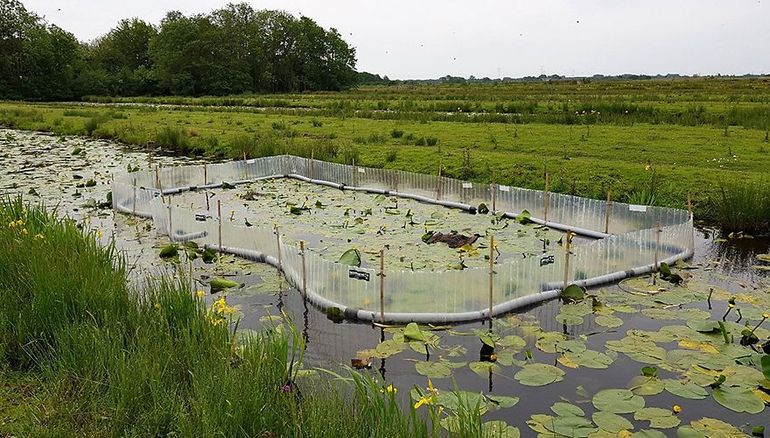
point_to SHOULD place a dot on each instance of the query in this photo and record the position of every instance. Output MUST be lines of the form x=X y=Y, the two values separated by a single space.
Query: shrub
x=396 y=133
x=431 y=141
x=391 y=155
x=172 y=137
x=743 y=206
x=420 y=141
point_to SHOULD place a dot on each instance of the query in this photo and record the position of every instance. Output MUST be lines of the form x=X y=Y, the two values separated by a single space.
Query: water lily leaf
x=643 y=385
x=610 y=422
x=483 y=368
x=658 y=418
x=434 y=370
x=590 y=359
x=351 y=257
x=648 y=433
x=573 y=293
x=638 y=349
x=388 y=348
x=738 y=399
x=689 y=432
x=571 y=345
x=499 y=428
x=608 y=321
x=456 y=399
x=524 y=217
x=703 y=326
x=412 y=332
x=512 y=343
x=564 y=409
x=539 y=374
x=502 y=401
x=218 y=284
x=684 y=389
x=169 y=251
x=617 y=401
x=547 y=341
x=765 y=361
x=716 y=428
x=568 y=319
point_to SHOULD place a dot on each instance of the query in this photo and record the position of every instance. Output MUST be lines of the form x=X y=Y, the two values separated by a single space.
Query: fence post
x=170 y=226
x=133 y=208
x=567 y=245
x=494 y=193
x=607 y=212
x=657 y=253
x=205 y=174
x=206 y=194
x=304 y=269
x=546 y=197
x=491 y=276
x=219 y=220
x=354 y=178
x=278 y=244
x=438 y=183
x=382 y=285
x=689 y=204
x=312 y=164
x=157 y=178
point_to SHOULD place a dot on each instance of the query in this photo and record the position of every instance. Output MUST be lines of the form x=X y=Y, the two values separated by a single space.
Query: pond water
x=580 y=348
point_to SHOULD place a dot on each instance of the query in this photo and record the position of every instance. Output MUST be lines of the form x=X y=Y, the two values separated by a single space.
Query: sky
x=419 y=39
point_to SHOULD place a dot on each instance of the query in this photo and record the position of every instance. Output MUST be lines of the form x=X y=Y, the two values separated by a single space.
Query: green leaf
x=610 y=422
x=483 y=368
x=351 y=257
x=412 y=332
x=590 y=359
x=658 y=418
x=765 y=361
x=524 y=217
x=502 y=401
x=434 y=370
x=646 y=433
x=617 y=401
x=218 y=284
x=608 y=321
x=642 y=385
x=703 y=326
x=738 y=399
x=169 y=251
x=564 y=409
x=539 y=374
x=683 y=389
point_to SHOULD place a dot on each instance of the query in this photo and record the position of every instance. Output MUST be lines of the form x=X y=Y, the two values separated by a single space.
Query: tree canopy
x=232 y=50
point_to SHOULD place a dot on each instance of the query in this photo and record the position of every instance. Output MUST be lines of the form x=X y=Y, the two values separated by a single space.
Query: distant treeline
x=229 y=51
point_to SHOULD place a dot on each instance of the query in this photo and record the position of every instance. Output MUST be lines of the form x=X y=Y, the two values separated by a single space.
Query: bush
x=396 y=133
x=431 y=141
x=420 y=141
x=743 y=206
x=391 y=155
x=172 y=137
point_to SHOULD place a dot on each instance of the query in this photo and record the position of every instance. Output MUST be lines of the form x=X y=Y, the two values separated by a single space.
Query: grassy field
x=647 y=141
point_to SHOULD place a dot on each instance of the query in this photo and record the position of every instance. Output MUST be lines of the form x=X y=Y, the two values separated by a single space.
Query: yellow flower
x=157 y=306
x=99 y=234
x=39 y=237
x=200 y=294
x=766 y=315
x=429 y=397
x=24 y=231
x=647 y=167
x=677 y=409
x=390 y=389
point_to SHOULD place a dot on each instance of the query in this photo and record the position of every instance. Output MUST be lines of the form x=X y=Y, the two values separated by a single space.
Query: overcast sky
x=432 y=38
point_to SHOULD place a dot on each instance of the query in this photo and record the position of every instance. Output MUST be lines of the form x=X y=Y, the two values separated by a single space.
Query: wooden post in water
x=312 y=164
x=157 y=178
x=438 y=182
x=354 y=177
x=689 y=204
x=607 y=212
x=382 y=285
x=567 y=245
x=205 y=174
x=133 y=208
x=219 y=220
x=170 y=225
x=657 y=253
x=278 y=245
x=494 y=193
x=546 y=197
x=491 y=276
x=304 y=269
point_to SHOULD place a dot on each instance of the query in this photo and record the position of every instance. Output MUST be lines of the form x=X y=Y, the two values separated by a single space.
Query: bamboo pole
x=219 y=219
x=494 y=193
x=206 y=194
x=170 y=225
x=438 y=183
x=205 y=174
x=312 y=163
x=655 y=268
x=304 y=268
x=546 y=197
x=491 y=276
x=382 y=285
x=133 y=209
x=567 y=245
x=278 y=245
x=354 y=178
x=689 y=204
x=607 y=212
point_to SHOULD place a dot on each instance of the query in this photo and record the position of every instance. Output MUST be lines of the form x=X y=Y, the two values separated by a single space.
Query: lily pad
x=716 y=428
x=610 y=422
x=539 y=374
x=590 y=359
x=564 y=409
x=351 y=257
x=218 y=284
x=412 y=332
x=608 y=321
x=434 y=370
x=684 y=389
x=659 y=418
x=643 y=385
x=738 y=399
x=617 y=401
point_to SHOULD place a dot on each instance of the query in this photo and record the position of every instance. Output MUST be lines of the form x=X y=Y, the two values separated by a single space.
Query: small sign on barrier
x=251 y=161
x=639 y=208
x=547 y=260
x=505 y=188
x=361 y=170
x=467 y=185
x=358 y=274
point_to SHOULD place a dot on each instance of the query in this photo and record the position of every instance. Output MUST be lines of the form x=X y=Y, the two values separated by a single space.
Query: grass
x=84 y=354
x=743 y=207
x=676 y=128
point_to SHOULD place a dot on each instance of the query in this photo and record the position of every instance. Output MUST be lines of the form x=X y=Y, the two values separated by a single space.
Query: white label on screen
x=467 y=185
x=505 y=189
x=640 y=208
x=361 y=170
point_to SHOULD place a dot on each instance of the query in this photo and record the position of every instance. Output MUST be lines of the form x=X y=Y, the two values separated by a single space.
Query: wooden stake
x=206 y=194
x=312 y=163
x=382 y=285
x=157 y=178
x=491 y=276
x=170 y=225
x=566 y=258
x=657 y=252
x=546 y=197
x=219 y=218
x=133 y=209
x=205 y=174
x=607 y=212
x=354 y=179
x=278 y=245
x=438 y=183
x=304 y=269
x=689 y=204
x=494 y=193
